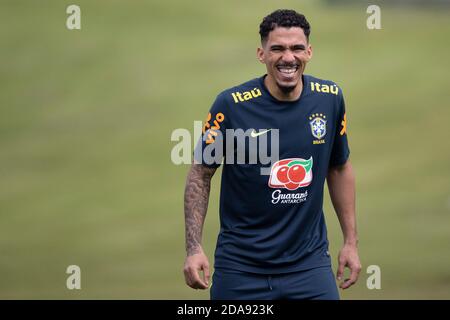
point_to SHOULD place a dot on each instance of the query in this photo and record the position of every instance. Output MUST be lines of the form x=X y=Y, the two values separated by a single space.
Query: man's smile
x=287 y=72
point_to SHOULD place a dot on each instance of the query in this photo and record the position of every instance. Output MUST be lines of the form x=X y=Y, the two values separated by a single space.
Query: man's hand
x=348 y=257
x=192 y=265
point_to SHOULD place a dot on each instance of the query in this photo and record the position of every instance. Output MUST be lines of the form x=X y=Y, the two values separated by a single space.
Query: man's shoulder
x=322 y=85
x=241 y=92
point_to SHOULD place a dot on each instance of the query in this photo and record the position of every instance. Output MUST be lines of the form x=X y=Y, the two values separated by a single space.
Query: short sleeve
x=340 y=151
x=209 y=150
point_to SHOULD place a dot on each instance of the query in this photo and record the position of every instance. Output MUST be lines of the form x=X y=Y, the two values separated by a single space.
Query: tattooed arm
x=196 y=197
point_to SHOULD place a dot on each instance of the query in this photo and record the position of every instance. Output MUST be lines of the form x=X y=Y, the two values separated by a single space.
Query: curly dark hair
x=283 y=18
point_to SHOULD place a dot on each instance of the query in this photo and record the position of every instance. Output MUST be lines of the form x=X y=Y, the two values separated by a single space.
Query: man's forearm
x=341 y=184
x=196 y=198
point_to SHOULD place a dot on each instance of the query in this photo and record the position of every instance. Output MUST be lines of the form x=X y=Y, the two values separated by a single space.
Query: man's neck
x=276 y=92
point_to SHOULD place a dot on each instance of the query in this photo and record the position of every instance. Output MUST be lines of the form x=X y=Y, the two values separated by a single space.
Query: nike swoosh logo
x=255 y=134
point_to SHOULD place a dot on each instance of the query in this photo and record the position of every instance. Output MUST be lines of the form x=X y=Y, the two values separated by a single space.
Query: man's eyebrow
x=295 y=46
x=277 y=46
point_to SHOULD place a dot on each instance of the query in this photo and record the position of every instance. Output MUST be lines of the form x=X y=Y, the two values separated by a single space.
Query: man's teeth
x=287 y=70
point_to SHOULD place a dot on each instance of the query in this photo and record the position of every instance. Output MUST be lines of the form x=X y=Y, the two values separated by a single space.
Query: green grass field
x=86 y=118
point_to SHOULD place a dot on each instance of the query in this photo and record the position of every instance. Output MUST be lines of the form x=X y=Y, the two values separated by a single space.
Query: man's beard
x=289 y=88
x=286 y=89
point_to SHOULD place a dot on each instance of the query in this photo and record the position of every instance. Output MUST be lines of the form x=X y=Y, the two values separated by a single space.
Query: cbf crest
x=318 y=124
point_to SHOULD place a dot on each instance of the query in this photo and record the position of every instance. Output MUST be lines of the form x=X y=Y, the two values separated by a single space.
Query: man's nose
x=288 y=56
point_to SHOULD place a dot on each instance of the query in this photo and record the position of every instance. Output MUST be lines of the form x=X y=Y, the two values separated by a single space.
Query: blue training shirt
x=274 y=222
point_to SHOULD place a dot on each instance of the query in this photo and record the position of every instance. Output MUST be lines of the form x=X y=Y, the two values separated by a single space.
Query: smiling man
x=273 y=239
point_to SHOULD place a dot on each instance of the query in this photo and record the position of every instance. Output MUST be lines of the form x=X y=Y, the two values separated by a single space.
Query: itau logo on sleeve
x=291 y=173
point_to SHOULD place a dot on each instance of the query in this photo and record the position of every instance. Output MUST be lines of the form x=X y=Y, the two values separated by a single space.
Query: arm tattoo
x=196 y=196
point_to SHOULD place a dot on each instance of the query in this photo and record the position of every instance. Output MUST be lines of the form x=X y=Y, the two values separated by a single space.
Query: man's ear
x=260 y=55
x=309 y=52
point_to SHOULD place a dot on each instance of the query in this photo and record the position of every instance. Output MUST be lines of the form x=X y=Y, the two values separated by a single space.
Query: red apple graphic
x=282 y=174
x=296 y=173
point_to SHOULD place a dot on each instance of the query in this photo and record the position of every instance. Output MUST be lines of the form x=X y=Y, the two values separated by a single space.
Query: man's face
x=285 y=54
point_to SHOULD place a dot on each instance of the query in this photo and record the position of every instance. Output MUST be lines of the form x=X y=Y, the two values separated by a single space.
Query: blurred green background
x=86 y=118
